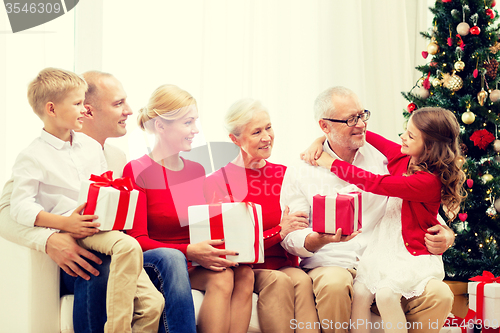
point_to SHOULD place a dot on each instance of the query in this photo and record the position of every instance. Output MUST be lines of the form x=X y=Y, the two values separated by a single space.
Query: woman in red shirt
x=168 y=185
x=285 y=291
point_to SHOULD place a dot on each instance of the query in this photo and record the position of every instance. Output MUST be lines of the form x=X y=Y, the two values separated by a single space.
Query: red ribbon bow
x=106 y=180
x=487 y=277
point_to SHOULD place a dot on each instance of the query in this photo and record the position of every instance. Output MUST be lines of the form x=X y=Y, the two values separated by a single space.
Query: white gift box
x=116 y=210
x=236 y=223
x=491 y=310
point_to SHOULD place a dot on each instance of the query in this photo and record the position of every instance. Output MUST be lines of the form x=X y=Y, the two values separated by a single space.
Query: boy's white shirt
x=48 y=174
x=36 y=238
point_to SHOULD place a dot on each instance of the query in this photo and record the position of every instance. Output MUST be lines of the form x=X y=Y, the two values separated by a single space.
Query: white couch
x=30 y=300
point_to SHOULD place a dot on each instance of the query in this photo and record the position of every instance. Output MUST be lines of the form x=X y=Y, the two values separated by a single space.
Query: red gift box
x=341 y=210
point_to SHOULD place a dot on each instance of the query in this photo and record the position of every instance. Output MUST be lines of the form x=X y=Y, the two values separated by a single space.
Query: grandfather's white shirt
x=303 y=181
x=48 y=173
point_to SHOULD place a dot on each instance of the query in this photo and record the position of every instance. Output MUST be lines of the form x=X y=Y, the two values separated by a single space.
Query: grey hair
x=323 y=104
x=241 y=113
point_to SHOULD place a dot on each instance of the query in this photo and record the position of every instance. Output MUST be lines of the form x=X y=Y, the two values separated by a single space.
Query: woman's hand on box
x=205 y=254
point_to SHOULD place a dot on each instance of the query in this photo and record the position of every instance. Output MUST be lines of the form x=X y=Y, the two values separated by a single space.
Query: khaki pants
x=286 y=301
x=133 y=304
x=333 y=290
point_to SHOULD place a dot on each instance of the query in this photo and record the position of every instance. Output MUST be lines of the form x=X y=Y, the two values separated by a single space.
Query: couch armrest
x=29 y=290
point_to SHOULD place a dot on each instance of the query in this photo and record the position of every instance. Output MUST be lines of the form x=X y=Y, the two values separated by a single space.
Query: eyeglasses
x=352 y=121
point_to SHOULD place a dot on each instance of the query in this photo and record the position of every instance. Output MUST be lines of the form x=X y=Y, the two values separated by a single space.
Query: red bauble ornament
x=475 y=30
x=470 y=183
x=482 y=138
x=450 y=41
x=411 y=107
x=446 y=1
x=425 y=54
x=490 y=13
x=493 y=4
x=475 y=73
x=462 y=216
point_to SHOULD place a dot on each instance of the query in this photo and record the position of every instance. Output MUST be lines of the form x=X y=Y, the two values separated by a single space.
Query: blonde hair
x=442 y=154
x=241 y=113
x=168 y=102
x=52 y=85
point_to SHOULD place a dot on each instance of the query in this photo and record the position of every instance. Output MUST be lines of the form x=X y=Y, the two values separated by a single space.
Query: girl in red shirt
x=425 y=172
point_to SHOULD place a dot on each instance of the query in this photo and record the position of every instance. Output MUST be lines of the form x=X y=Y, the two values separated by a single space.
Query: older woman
x=285 y=292
x=168 y=184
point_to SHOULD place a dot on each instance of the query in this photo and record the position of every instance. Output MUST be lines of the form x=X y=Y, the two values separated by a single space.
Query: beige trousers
x=133 y=304
x=333 y=290
x=286 y=301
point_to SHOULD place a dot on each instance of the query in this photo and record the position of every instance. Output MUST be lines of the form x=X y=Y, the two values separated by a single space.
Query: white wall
x=22 y=56
x=283 y=52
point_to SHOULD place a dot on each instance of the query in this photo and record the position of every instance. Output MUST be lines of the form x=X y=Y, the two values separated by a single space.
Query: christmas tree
x=461 y=76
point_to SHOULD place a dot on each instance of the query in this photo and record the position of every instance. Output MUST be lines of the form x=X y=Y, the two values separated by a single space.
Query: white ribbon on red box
x=327 y=218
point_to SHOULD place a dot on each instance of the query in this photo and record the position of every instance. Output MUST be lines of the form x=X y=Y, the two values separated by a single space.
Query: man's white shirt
x=303 y=181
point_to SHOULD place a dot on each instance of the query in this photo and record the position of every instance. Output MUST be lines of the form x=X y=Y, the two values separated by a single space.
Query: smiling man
x=331 y=266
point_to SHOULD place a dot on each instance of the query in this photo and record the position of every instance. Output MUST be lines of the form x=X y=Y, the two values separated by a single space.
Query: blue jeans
x=89 y=309
x=167 y=269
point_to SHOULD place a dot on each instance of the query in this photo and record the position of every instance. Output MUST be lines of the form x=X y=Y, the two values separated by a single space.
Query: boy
x=47 y=178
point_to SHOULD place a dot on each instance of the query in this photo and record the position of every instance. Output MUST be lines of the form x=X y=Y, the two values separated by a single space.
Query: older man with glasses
x=331 y=265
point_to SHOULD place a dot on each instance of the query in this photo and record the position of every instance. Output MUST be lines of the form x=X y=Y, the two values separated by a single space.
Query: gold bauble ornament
x=487 y=178
x=468 y=117
x=459 y=66
x=481 y=96
x=495 y=95
x=452 y=82
x=496 y=145
x=437 y=83
x=433 y=48
x=497 y=205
